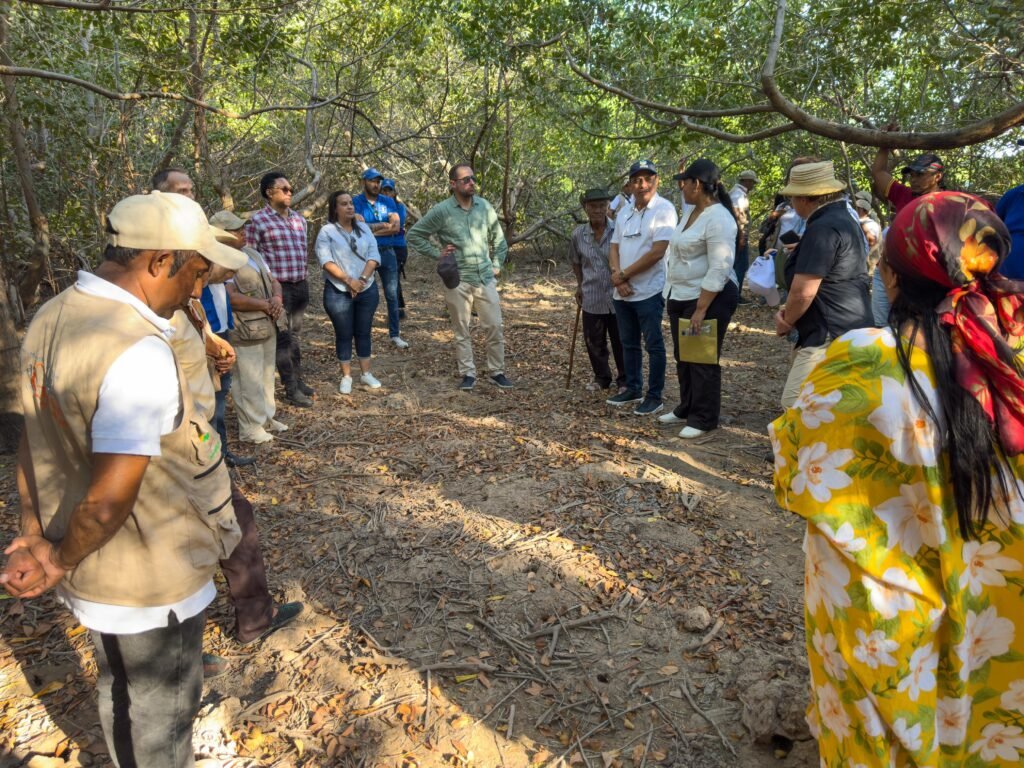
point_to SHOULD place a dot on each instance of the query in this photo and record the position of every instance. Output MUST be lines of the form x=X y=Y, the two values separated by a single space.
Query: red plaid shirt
x=281 y=242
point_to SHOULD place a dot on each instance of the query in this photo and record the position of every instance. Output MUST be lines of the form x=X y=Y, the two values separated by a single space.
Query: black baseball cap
x=927 y=162
x=593 y=194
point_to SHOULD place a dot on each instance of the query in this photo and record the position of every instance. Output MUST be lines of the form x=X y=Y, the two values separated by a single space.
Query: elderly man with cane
x=588 y=254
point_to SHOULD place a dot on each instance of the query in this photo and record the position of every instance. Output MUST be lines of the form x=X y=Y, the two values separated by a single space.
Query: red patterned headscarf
x=955 y=240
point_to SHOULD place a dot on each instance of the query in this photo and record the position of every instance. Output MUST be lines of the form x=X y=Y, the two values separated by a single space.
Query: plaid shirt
x=281 y=241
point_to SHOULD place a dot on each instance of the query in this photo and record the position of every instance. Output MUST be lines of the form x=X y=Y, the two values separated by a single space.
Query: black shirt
x=832 y=248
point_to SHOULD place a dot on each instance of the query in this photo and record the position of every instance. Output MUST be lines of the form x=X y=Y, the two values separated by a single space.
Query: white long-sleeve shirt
x=701 y=256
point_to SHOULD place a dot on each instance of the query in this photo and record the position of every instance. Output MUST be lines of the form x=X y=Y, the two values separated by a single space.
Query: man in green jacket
x=467 y=227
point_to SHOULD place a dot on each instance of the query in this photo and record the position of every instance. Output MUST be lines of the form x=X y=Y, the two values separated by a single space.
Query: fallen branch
x=581 y=622
x=707 y=638
x=685 y=688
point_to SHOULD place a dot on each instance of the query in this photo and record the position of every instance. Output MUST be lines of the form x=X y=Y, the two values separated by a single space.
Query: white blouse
x=333 y=244
x=702 y=255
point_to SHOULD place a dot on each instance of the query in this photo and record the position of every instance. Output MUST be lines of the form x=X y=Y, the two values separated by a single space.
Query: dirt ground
x=495 y=578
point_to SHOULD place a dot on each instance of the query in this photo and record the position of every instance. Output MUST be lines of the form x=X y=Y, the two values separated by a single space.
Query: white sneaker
x=399 y=342
x=346 y=385
x=258 y=437
x=688 y=433
x=275 y=426
x=670 y=418
x=370 y=381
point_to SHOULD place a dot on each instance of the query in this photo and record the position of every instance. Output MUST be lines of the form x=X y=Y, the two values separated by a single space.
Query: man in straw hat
x=826 y=274
x=588 y=254
x=125 y=500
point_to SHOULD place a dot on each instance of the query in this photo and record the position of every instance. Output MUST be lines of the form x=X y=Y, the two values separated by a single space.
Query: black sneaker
x=649 y=407
x=305 y=389
x=501 y=381
x=233 y=460
x=298 y=398
x=468 y=382
x=284 y=614
x=624 y=398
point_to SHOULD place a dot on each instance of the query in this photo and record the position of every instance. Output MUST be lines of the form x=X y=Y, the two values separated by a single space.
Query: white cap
x=172 y=222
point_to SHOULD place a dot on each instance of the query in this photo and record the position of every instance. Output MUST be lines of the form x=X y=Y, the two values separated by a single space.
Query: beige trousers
x=804 y=359
x=461 y=303
x=253 y=385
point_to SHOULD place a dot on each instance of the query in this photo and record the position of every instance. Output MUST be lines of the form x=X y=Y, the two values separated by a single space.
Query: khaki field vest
x=182 y=522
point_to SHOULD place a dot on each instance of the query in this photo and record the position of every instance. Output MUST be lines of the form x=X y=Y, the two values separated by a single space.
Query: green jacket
x=476 y=234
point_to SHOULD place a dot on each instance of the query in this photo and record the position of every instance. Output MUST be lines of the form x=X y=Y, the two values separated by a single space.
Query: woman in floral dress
x=903 y=453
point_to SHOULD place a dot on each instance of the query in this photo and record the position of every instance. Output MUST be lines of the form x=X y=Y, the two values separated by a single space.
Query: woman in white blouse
x=701 y=285
x=348 y=253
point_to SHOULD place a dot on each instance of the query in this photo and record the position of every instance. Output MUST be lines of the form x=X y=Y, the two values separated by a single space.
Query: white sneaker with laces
x=670 y=418
x=688 y=433
x=258 y=437
x=370 y=381
x=275 y=426
x=399 y=342
x=346 y=385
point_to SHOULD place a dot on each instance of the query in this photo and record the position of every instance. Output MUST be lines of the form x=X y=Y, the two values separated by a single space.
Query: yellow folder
x=698 y=349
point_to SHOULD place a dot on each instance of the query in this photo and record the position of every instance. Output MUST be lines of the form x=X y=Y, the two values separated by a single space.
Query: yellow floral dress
x=915 y=637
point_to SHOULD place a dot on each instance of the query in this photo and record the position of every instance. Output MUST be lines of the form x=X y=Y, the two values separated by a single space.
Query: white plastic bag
x=761 y=279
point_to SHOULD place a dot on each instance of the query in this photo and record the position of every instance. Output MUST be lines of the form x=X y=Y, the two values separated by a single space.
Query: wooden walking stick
x=572 y=349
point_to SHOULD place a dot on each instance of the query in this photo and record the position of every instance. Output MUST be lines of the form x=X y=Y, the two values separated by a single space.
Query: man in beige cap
x=740 y=195
x=125 y=500
x=256 y=301
x=826 y=274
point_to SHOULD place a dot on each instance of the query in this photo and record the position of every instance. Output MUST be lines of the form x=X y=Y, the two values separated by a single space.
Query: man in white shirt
x=624 y=198
x=740 y=194
x=130 y=543
x=637 y=261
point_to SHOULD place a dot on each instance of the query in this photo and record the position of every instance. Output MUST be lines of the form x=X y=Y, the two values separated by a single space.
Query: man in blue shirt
x=387 y=188
x=381 y=216
x=1011 y=210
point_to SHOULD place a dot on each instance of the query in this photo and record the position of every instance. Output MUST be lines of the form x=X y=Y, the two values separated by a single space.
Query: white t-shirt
x=636 y=232
x=619 y=201
x=139 y=402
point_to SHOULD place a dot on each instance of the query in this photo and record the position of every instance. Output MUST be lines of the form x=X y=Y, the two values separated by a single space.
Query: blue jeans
x=389 y=279
x=742 y=264
x=221 y=404
x=879 y=300
x=642 y=320
x=351 y=317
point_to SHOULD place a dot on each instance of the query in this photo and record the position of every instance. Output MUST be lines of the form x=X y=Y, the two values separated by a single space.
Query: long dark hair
x=332 y=210
x=709 y=176
x=968 y=438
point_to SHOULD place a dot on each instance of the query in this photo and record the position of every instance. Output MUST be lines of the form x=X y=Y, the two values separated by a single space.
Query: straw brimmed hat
x=812 y=180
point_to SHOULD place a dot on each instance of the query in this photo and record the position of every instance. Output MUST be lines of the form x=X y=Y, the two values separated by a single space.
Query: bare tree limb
x=960 y=137
x=106 y=5
x=12 y=71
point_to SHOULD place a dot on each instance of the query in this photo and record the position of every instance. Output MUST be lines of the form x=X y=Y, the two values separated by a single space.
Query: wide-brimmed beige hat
x=813 y=179
x=171 y=222
x=229 y=221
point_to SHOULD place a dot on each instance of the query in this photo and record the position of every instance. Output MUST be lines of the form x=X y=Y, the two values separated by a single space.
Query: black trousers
x=598 y=331
x=700 y=384
x=295 y=297
x=402 y=255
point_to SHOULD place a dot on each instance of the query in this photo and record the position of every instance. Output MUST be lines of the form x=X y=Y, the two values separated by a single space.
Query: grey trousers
x=149 y=686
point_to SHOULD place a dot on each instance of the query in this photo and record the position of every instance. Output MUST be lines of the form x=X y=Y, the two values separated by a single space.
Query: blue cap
x=640 y=166
x=371 y=173
x=387 y=184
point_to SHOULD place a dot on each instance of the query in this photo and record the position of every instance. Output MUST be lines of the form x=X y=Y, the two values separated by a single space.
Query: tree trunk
x=11 y=419
x=28 y=284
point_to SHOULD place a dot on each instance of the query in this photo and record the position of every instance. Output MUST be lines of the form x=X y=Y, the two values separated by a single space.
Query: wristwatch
x=362 y=279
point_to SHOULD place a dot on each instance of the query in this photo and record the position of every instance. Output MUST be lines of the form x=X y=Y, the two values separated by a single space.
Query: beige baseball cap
x=227 y=220
x=169 y=221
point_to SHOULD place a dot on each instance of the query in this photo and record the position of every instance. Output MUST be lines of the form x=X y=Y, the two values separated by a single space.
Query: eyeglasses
x=466 y=179
x=634 y=230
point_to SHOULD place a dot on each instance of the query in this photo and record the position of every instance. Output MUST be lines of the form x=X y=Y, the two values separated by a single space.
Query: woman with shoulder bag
x=255 y=299
x=348 y=253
